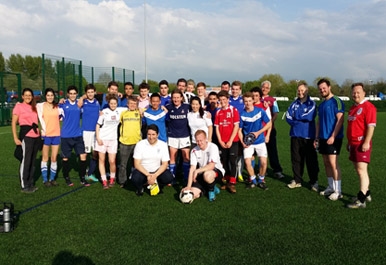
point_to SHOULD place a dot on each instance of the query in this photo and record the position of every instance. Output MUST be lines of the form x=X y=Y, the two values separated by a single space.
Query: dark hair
x=257 y=89
x=324 y=80
x=213 y=94
x=132 y=98
x=54 y=103
x=201 y=110
x=155 y=95
x=144 y=86
x=182 y=80
x=111 y=97
x=128 y=84
x=89 y=87
x=152 y=127
x=72 y=87
x=177 y=91
x=163 y=82
x=33 y=101
x=223 y=93
x=113 y=83
x=201 y=84
x=225 y=83
x=358 y=84
x=248 y=95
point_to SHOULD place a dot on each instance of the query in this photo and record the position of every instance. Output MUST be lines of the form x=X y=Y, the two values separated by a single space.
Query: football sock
x=253 y=164
x=66 y=169
x=43 y=167
x=104 y=178
x=261 y=179
x=54 y=167
x=339 y=182
x=82 y=169
x=361 y=197
x=172 y=168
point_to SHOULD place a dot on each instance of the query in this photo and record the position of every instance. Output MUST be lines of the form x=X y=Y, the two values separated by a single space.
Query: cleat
x=92 y=178
x=279 y=175
x=68 y=182
x=293 y=185
x=327 y=192
x=315 y=187
x=252 y=184
x=211 y=196
x=356 y=205
x=47 y=184
x=240 y=178
x=335 y=196
x=139 y=192
x=104 y=185
x=54 y=183
x=262 y=186
x=231 y=188
x=368 y=199
x=216 y=190
x=28 y=190
x=85 y=183
x=112 y=182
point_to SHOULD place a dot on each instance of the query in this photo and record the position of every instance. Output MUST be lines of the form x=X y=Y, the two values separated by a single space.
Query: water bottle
x=7 y=220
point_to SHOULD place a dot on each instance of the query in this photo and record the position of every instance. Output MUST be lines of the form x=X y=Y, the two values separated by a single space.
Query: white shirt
x=197 y=123
x=151 y=156
x=201 y=158
x=109 y=122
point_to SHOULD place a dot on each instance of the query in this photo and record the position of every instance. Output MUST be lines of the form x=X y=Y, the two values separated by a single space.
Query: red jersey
x=226 y=120
x=360 y=116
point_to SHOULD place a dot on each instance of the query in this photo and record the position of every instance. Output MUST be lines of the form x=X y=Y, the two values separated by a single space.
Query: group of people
x=155 y=133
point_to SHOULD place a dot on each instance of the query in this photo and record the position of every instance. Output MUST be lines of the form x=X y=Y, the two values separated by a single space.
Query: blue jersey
x=212 y=112
x=105 y=104
x=71 y=119
x=157 y=117
x=90 y=114
x=165 y=100
x=238 y=103
x=177 y=118
x=327 y=117
x=301 y=117
x=254 y=121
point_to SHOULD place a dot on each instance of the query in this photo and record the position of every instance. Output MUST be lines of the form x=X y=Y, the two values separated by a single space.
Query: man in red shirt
x=227 y=125
x=362 y=119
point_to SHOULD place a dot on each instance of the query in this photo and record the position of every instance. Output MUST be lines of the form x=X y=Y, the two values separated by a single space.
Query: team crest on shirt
x=359 y=111
x=240 y=100
x=136 y=115
x=114 y=118
x=182 y=111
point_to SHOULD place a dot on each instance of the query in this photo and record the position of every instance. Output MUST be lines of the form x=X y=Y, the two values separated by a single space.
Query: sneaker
x=216 y=190
x=293 y=185
x=356 y=205
x=47 y=184
x=327 y=192
x=69 y=183
x=240 y=178
x=231 y=188
x=315 y=187
x=262 y=186
x=104 y=185
x=223 y=187
x=211 y=196
x=85 y=183
x=112 y=182
x=92 y=178
x=335 y=196
x=368 y=199
x=139 y=192
x=54 y=183
x=279 y=175
x=28 y=190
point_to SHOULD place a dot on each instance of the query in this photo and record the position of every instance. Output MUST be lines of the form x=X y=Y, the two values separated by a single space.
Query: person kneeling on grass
x=151 y=157
x=205 y=168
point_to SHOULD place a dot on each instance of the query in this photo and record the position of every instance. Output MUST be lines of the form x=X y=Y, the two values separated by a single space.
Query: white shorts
x=89 y=141
x=179 y=143
x=261 y=150
x=109 y=146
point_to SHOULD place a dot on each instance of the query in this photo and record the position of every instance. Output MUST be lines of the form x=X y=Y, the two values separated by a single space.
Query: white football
x=186 y=196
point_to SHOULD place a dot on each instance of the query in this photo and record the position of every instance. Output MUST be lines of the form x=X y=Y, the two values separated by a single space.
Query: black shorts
x=76 y=143
x=330 y=149
x=202 y=185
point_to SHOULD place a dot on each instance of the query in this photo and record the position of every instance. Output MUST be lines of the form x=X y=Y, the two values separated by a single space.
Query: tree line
x=30 y=68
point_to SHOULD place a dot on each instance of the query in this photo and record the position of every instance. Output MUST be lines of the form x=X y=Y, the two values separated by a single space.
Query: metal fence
x=8 y=95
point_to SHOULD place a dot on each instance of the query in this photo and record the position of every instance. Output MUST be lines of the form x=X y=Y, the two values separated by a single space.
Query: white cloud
x=243 y=40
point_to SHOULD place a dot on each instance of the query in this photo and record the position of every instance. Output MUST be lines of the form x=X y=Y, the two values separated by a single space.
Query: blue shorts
x=51 y=140
x=75 y=143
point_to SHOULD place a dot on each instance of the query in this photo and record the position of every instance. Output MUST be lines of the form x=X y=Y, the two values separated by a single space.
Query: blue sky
x=207 y=41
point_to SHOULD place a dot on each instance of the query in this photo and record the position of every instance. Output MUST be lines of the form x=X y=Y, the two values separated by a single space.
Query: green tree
x=277 y=82
x=2 y=62
x=32 y=67
x=335 y=88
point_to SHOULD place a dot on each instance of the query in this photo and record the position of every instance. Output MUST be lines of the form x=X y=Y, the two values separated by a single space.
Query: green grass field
x=76 y=225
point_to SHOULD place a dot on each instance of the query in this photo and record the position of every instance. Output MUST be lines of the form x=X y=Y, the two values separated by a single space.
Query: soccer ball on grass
x=186 y=196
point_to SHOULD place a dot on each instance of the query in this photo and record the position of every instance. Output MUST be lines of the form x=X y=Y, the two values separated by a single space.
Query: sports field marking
x=5 y=133
x=50 y=200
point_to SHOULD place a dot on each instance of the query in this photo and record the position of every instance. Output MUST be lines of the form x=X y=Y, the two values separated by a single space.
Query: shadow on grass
x=65 y=257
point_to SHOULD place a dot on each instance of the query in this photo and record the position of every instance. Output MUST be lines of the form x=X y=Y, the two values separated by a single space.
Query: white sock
x=339 y=186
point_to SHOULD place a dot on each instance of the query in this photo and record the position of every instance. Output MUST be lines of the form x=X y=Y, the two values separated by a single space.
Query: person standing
x=48 y=113
x=205 y=168
x=271 y=144
x=254 y=120
x=112 y=88
x=362 y=119
x=227 y=126
x=163 y=86
x=129 y=90
x=199 y=119
x=329 y=137
x=27 y=141
x=301 y=117
x=72 y=137
x=156 y=114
